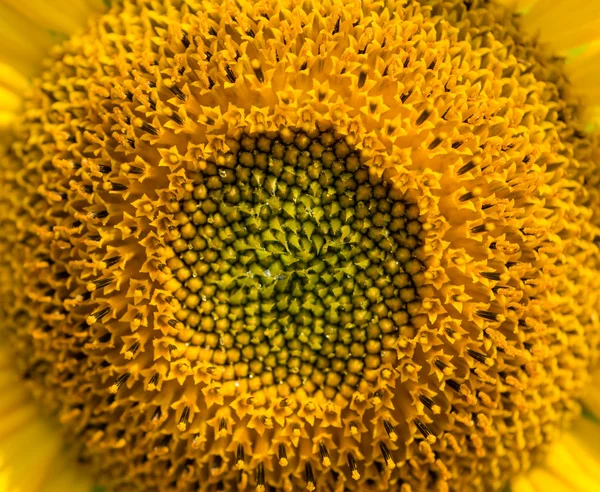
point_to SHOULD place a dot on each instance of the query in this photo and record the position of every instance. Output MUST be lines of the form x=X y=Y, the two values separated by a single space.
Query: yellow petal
x=573 y=463
x=518 y=5
x=23 y=43
x=585 y=72
x=571 y=28
x=564 y=24
x=32 y=455
x=28 y=29
x=12 y=80
x=64 y=16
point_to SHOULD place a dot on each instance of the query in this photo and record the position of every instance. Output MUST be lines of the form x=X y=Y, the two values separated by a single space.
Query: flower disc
x=297 y=246
x=294 y=264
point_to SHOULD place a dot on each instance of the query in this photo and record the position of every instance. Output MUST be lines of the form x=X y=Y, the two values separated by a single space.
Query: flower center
x=295 y=263
x=343 y=245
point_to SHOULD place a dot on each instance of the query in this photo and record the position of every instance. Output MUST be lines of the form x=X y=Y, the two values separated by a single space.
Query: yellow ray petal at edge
x=28 y=29
x=573 y=462
x=31 y=454
x=572 y=29
x=33 y=457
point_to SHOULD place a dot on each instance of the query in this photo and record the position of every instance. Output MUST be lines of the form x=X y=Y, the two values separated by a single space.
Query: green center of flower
x=296 y=263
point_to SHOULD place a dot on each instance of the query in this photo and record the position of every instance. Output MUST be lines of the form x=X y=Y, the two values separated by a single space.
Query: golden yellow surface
x=452 y=106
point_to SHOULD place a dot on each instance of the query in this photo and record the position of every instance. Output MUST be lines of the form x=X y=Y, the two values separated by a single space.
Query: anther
x=230 y=75
x=148 y=128
x=430 y=404
x=102 y=214
x=121 y=380
x=185 y=40
x=130 y=353
x=336 y=29
x=178 y=92
x=479 y=228
x=222 y=428
x=117 y=186
x=260 y=478
x=112 y=261
x=422 y=117
x=477 y=356
x=443 y=367
x=310 y=478
x=184 y=419
x=353 y=467
x=454 y=385
x=491 y=275
x=463 y=390
x=256 y=67
x=132 y=169
x=97 y=316
x=466 y=168
x=390 y=431
x=435 y=142
x=490 y=316
x=282 y=454
x=177 y=119
x=240 y=457
x=325 y=459
x=387 y=456
x=427 y=434
x=98 y=284
x=153 y=382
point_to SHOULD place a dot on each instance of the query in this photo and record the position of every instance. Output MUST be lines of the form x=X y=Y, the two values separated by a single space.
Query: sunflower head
x=268 y=244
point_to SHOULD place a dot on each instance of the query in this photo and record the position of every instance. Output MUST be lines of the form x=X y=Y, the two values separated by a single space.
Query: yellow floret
x=320 y=245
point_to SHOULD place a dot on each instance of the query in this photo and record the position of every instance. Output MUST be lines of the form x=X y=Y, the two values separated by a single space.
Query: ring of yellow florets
x=295 y=263
x=442 y=96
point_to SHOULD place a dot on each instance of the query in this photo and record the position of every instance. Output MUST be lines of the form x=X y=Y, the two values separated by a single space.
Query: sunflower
x=324 y=245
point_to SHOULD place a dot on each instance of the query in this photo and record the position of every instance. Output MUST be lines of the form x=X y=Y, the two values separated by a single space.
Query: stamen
x=121 y=380
x=283 y=460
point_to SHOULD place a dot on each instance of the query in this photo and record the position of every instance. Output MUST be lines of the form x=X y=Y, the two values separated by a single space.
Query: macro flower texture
x=285 y=245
